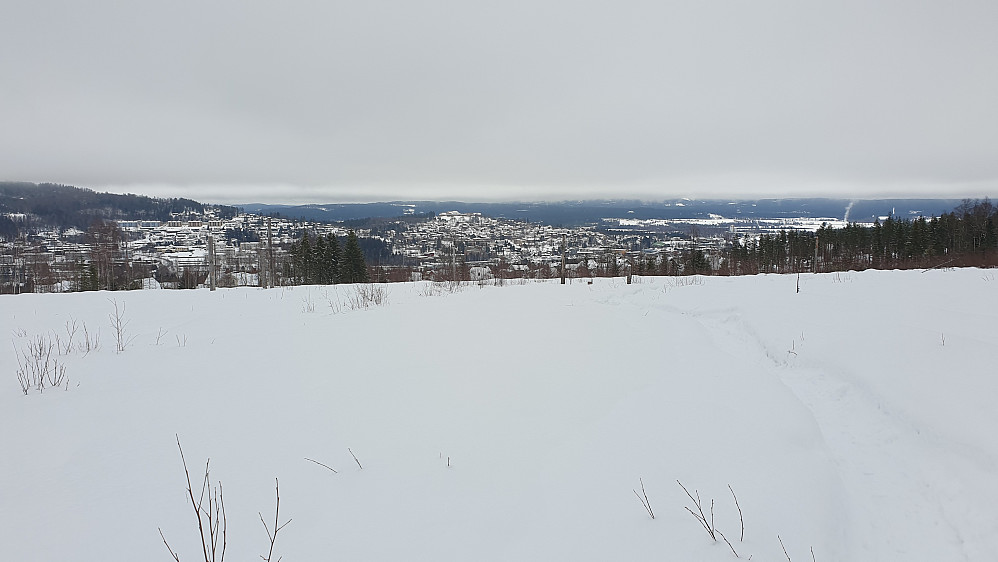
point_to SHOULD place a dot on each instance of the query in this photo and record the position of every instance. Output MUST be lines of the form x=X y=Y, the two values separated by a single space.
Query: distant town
x=252 y=250
x=57 y=238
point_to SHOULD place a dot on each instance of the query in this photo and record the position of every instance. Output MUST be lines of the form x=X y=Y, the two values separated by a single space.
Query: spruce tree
x=333 y=258
x=320 y=269
x=353 y=269
x=305 y=260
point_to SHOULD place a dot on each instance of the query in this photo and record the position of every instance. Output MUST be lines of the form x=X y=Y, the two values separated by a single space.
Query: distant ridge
x=575 y=213
x=65 y=206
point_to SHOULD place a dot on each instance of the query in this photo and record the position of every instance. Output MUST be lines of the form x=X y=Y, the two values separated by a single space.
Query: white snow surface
x=855 y=418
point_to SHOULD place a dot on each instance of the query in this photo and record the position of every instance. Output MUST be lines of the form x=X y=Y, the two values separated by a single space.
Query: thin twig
x=729 y=543
x=225 y=522
x=277 y=527
x=172 y=553
x=190 y=492
x=784 y=549
x=323 y=465
x=740 y=518
x=701 y=517
x=644 y=500
x=712 y=526
x=355 y=459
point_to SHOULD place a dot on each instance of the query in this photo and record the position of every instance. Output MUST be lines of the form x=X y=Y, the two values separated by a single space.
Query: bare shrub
x=436 y=288
x=71 y=328
x=842 y=277
x=333 y=301
x=367 y=295
x=36 y=368
x=91 y=342
x=308 y=303
x=212 y=524
x=119 y=326
x=708 y=524
x=684 y=281
x=211 y=519
x=56 y=376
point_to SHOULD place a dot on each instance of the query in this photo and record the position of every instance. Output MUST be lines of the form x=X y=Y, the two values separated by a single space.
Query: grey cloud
x=498 y=99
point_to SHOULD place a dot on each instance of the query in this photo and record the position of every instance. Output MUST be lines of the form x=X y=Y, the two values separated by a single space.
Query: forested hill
x=63 y=206
x=576 y=213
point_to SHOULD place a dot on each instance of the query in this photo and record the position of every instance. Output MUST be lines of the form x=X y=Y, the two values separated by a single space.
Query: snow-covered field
x=856 y=418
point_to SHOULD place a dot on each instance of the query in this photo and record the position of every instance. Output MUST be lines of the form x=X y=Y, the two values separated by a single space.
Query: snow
x=855 y=418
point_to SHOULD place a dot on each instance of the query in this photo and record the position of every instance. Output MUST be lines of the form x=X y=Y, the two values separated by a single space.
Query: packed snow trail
x=905 y=483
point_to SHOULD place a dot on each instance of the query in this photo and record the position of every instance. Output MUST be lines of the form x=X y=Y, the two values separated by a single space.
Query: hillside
x=576 y=213
x=63 y=206
x=853 y=418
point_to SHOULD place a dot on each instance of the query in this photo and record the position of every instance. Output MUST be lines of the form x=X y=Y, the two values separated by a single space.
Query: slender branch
x=172 y=553
x=784 y=549
x=355 y=458
x=740 y=518
x=277 y=527
x=225 y=521
x=712 y=526
x=644 y=501
x=729 y=543
x=190 y=492
x=323 y=465
x=701 y=517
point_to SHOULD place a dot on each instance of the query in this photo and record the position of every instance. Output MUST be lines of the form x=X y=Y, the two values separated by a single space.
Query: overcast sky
x=283 y=101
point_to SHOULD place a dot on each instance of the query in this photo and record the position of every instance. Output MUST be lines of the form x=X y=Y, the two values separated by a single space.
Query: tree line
x=319 y=260
x=967 y=236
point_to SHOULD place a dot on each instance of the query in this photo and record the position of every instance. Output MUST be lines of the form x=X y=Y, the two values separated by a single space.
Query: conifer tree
x=320 y=268
x=353 y=268
x=333 y=258
x=306 y=259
